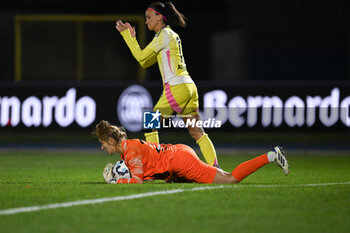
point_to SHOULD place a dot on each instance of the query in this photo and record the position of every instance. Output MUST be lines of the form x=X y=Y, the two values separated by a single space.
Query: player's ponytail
x=171 y=15
x=105 y=130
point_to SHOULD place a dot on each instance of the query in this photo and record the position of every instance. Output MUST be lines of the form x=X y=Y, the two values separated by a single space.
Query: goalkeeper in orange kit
x=149 y=161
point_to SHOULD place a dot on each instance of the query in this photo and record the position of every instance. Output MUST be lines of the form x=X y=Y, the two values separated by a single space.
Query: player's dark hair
x=171 y=15
x=105 y=130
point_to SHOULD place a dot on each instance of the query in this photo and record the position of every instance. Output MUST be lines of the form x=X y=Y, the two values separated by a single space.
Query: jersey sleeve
x=145 y=57
x=136 y=170
x=133 y=160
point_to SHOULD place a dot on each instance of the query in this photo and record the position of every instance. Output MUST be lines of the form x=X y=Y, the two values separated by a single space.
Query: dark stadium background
x=263 y=45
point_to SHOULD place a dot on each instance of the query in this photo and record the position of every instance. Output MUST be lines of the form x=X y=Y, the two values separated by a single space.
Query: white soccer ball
x=120 y=170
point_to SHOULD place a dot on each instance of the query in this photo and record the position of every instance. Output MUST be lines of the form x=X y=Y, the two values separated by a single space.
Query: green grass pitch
x=266 y=201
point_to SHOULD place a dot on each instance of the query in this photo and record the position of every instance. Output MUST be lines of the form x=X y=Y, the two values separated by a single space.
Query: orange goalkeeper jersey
x=147 y=160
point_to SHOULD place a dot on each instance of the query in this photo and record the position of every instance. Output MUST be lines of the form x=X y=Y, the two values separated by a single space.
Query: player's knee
x=223 y=177
x=235 y=181
x=231 y=179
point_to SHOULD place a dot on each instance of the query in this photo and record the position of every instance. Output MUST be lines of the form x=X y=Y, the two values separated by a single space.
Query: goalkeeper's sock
x=208 y=150
x=245 y=169
x=152 y=137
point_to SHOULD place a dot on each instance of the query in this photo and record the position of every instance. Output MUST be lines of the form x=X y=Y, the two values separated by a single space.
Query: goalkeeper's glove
x=108 y=175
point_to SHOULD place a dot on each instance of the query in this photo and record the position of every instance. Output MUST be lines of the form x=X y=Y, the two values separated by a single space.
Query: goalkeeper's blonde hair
x=105 y=130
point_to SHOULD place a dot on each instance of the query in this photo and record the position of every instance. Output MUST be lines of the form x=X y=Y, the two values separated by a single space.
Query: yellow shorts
x=181 y=98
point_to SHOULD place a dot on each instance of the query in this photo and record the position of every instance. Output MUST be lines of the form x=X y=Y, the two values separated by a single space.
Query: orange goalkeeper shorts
x=186 y=164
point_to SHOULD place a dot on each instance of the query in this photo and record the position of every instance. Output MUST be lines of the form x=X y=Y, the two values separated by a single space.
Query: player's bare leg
x=195 y=132
x=223 y=177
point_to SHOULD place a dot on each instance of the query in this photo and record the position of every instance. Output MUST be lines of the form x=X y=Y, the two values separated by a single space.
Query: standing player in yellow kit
x=180 y=93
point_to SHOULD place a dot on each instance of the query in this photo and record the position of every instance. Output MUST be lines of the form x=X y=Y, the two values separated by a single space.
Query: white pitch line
x=100 y=200
x=142 y=195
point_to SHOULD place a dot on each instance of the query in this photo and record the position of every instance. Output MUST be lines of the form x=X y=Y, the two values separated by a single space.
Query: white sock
x=271 y=155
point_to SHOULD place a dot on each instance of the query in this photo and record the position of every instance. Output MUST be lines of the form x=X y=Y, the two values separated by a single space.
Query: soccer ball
x=120 y=170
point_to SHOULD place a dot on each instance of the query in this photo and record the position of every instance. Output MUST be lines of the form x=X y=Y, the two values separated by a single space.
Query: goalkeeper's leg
x=245 y=169
x=241 y=171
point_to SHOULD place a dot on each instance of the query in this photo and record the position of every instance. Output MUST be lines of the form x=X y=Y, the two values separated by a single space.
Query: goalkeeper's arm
x=111 y=178
x=136 y=174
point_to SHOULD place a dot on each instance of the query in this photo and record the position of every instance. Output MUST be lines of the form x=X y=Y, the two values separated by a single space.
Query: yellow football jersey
x=166 y=48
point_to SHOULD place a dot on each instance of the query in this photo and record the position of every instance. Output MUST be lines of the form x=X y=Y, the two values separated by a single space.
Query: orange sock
x=245 y=169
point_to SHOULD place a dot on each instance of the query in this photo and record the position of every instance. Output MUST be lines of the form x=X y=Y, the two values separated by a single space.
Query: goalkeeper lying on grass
x=149 y=161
